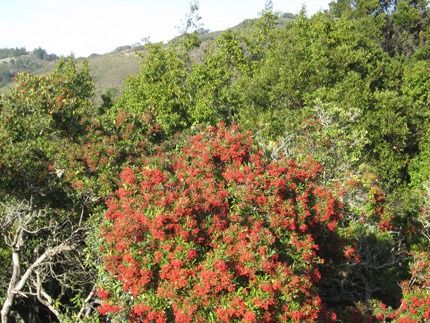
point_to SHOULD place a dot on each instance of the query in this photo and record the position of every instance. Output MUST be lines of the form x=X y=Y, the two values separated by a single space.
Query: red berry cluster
x=214 y=231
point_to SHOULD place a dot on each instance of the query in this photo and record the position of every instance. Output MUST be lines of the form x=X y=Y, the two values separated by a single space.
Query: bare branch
x=23 y=222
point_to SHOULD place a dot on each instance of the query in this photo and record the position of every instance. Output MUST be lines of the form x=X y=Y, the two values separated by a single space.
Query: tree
x=41 y=242
x=45 y=220
x=403 y=26
x=39 y=118
x=182 y=89
x=159 y=86
x=107 y=98
x=333 y=137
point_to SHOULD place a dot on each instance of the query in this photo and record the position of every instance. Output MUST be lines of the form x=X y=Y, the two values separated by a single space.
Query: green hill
x=14 y=61
x=109 y=70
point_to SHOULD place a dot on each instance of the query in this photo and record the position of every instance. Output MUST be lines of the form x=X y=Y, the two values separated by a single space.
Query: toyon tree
x=45 y=221
x=59 y=160
x=213 y=232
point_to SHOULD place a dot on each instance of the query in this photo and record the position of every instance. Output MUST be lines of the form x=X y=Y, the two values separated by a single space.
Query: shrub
x=212 y=232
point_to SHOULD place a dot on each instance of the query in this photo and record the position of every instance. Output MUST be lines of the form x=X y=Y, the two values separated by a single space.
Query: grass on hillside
x=110 y=71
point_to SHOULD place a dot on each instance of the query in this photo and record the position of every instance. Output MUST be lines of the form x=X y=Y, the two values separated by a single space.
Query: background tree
x=45 y=220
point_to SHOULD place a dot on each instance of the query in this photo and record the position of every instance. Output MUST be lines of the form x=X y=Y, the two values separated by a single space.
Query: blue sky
x=99 y=26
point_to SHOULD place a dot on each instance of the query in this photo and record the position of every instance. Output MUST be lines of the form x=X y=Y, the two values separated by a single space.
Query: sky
x=84 y=27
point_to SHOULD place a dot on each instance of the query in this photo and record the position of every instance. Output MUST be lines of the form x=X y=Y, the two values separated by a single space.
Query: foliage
x=183 y=90
x=415 y=305
x=403 y=25
x=41 y=118
x=333 y=136
x=159 y=86
x=107 y=98
x=37 y=119
x=214 y=232
x=12 y=52
x=15 y=61
x=203 y=226
x=42 y=54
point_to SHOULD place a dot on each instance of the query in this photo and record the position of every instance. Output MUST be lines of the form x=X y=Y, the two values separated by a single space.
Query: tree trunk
x=16 y=286
x=16 y=271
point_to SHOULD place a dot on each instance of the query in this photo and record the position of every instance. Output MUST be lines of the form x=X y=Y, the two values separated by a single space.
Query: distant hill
x=109 y=70
x=206 y=35
x=16 y=60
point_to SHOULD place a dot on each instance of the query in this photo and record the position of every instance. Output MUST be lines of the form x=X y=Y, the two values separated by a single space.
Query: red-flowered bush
x=415 y=305
x=215 y=233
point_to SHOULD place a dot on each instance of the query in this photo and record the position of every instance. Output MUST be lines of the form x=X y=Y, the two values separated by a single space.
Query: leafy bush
x=214 y=232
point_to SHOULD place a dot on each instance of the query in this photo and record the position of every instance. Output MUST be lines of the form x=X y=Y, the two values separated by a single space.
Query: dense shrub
x=214 y=232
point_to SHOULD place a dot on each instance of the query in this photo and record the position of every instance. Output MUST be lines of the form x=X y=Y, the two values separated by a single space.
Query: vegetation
x=18 y=60
x=12 y=52
x=220 y=235
x=277 y=173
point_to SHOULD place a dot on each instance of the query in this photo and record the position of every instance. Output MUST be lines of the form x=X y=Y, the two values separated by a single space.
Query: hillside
x=108 y=70
x=29 y=62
